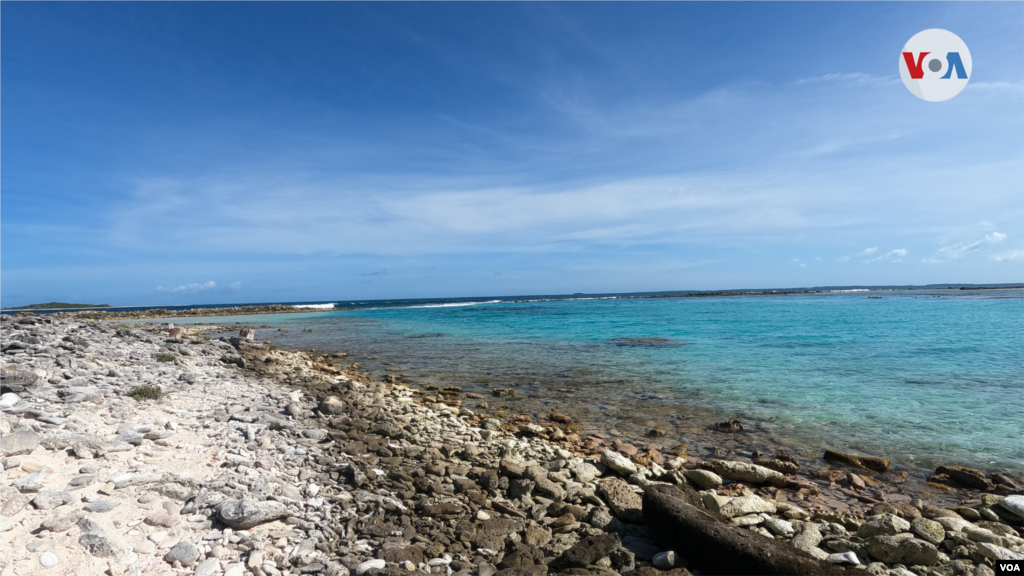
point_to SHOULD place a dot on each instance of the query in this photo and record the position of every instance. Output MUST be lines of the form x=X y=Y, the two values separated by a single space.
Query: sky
x=181 y=152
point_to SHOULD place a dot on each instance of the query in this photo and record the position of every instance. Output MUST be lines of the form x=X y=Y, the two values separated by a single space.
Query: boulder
x=1013 y=504
x=869 y=462
x=19 y=442
x=247 y=512
x=674 y=515
x=618 y=462
x=883 y=525
x=587 y=551
x=743 y=472
x=928 y=530
x=624 y=503
x=901 y=550
x=969 y=477
x=744 y=505
x=705 y=479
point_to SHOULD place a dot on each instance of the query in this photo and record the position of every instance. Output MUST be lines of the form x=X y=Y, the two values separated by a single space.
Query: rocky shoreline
x=131 y=450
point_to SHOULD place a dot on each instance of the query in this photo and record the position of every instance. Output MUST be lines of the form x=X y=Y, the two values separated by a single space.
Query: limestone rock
x=743 y=472
x=19 y=442
x=625 y=503
x=618 y=462
x=909 y=551
x=247 y=512
x=743 y=505
x=705 y=479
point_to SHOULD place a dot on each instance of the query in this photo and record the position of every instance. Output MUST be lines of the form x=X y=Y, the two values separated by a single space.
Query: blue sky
x=164 y=153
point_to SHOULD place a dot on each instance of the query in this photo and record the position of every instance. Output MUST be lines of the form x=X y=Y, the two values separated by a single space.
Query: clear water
x=924 y=380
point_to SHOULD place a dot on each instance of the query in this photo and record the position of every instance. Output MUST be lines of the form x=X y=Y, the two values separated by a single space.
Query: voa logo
x=935 y=65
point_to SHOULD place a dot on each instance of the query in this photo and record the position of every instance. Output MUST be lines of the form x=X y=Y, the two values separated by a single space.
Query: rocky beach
x=145 y=449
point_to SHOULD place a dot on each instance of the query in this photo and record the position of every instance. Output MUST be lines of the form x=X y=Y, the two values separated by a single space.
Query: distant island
x=53 y=305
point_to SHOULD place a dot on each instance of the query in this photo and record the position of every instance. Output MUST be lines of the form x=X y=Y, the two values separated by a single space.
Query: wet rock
x=869 y=462
x=624 y=503
x=743 y=472
x=965 y=476
x=247 y=512
x=618 y=463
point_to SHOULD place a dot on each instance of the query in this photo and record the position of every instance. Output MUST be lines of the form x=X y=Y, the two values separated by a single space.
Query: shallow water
x=924 y=380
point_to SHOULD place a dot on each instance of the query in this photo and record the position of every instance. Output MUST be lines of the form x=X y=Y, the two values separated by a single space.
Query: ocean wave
x=853 y=290
x=317 y=306
x=453 y=304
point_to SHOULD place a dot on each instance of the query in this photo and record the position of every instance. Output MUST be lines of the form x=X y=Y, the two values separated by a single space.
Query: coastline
x=472 y=494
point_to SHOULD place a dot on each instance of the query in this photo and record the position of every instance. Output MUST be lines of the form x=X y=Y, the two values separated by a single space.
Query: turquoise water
x=921 y=379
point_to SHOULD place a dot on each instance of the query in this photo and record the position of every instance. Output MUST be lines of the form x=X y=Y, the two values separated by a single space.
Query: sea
x=924 y=377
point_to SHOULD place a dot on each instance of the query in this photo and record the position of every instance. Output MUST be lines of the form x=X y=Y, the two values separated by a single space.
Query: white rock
x=744 y=505
x=618 y=462
x=993 y=552
x=781 y=527
x=9 y=399
x=376 y=564
x=665 y=560
x=954 y=524
x=843 y=558
x=407 y=565
x=157 y=537
x=1014 y=503
x=705 y=479
x=48 y=559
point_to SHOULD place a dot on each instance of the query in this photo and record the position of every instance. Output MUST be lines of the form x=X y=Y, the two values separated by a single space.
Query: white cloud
x=190 y=288
x=843 y=259
x=869 y=251
x=1010 y=256
x=850 y=78
x=959 y=250
x=890 y=256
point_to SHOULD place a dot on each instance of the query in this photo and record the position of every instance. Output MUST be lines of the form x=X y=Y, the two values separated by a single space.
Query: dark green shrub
x=166 y=358
x=141 y=393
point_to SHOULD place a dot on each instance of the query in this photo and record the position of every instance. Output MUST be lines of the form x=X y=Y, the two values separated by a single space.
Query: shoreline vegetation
x=254 y=460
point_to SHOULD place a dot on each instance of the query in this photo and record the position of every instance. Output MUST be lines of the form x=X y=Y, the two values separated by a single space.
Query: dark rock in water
x=1001 y=478
x=729 y=426
x=969 y=477
x=869 y=462
x=675 y=517
x=647 y=342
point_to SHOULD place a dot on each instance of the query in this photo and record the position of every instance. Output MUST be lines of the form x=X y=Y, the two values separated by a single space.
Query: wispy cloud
x=849 y=78
x=869 y=251
x=1010 y=256
x=187 y=288
x=961 y=249
x=893 y=256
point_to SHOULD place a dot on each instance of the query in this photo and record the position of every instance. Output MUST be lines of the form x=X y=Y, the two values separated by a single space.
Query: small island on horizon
x=56 y=306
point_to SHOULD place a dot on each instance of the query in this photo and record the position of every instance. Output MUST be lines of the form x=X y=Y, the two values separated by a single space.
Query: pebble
x=48 y=559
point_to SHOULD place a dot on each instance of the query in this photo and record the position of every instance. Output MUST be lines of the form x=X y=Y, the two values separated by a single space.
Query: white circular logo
x=935 y=65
